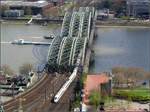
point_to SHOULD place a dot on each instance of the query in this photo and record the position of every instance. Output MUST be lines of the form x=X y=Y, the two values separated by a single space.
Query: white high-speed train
x=65 y=86
x=68 y=82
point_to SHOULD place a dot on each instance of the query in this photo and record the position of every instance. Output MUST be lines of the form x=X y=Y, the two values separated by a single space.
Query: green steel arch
x=64 y=53
x=74 y=26
x=72 y=48
x=66 y=24
x=78 y=45
x=74 y=36
x=53 y=50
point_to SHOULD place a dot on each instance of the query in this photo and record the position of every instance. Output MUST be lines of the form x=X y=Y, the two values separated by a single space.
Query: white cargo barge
x=22 y=42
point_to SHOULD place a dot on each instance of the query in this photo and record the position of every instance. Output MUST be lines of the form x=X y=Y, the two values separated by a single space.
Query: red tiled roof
x=94 y=80
x=2 y=78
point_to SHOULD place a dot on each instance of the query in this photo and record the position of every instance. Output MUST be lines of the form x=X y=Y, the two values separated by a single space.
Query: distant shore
x=35 y=21
x=120 y=26
x=24 y=22
x=98 y=24
x=12 y=22
x=115 y=24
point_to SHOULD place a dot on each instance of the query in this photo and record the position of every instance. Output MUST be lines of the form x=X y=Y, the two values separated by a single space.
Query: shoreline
x=13 y=22
x=97 y=26
x=121 y=26
x=24 y=23
x=4 y=21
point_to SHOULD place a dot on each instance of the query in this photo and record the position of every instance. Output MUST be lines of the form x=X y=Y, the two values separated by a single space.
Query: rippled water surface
x=113 y=46
x=16 y=55
x=121 y=46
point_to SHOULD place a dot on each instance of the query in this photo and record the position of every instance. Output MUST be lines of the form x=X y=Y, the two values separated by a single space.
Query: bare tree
x=118 y=80
x=131 y=76
x=28 y=11
x=6 y=70
x=117 y=69
x=25 y=68
x=3 y=8
x=51 y=12
x=77 y=3
x=116 y=5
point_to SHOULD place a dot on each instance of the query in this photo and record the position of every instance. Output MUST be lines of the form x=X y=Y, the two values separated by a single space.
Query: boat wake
x=36 y=37
x=5 y=42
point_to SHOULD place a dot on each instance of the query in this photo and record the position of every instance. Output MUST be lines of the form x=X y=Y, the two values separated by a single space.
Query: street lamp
x=20 y=102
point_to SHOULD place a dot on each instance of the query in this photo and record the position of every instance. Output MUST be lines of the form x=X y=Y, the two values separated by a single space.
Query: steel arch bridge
x=65 y=48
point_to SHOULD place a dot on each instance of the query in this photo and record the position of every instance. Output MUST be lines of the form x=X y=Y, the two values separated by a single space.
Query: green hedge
x=134 y=95
x=79 y=88
x=125 y=18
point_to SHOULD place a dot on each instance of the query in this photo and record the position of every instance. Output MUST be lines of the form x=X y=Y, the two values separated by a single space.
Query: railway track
x=65 y=102
x=31 y=96
x=38 y=98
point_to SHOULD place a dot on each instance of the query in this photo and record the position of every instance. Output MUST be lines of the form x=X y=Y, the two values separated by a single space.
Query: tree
x=3 y=8
x=106 y=4
x=131 y=76
x=95 y=97
x=77 y=3
x=6 y=70
x=28 y=11
x=25 y=68
x=51 y=12
x=118 y=80
x=117 y=69
x=116 y=5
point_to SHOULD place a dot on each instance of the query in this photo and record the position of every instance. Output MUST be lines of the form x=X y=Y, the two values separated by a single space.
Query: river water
x=113 y=46
x=16 y=55
x=121 y=46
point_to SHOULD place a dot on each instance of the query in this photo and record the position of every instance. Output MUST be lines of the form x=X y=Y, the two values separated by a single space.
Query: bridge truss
x=75 y=32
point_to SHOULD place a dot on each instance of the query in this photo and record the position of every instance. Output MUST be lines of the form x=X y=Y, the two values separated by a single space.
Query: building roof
x=94 y=80
x=138 y=0
x=134 y=2
x=27 y=4
x=2 y=78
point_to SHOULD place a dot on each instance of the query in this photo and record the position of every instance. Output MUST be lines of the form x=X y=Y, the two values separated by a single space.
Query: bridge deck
x=88 y=53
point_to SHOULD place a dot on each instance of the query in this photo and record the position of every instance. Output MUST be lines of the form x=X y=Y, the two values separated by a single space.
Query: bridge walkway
x=88 y=53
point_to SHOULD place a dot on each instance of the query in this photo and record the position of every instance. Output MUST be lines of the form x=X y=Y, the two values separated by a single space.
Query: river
x=113 y=46
x=121 y=46
x=15 y=55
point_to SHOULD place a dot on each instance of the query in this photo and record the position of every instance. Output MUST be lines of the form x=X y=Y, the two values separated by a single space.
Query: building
x=13 y=13
x=95 y=81
x=138 y=7
x=54 y=3
x=3 y=79
x=105 y=14
x=33 y=7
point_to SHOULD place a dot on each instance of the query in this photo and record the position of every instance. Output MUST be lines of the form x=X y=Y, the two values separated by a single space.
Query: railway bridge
x=73 y=43
x=73 y=39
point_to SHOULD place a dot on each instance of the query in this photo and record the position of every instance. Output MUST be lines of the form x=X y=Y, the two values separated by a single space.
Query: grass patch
x=137 y=94
x=23 y=17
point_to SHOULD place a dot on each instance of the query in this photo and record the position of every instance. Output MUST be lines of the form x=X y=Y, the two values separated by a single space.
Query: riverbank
x=123 y=24
x=45 y=21
x=117 y=26
x=25 y=22
x=3 y=21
